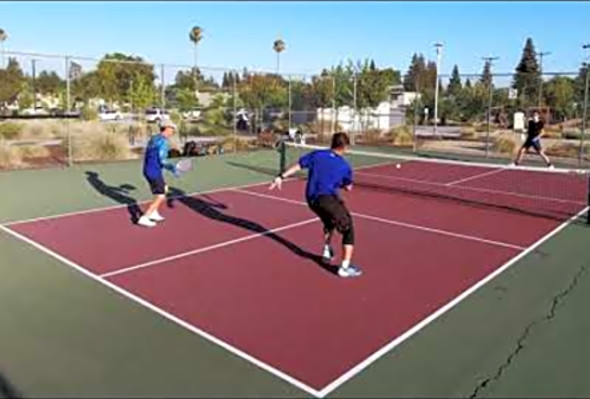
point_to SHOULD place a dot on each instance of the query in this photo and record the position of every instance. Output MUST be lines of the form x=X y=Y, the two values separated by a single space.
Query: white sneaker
x=350 y=271
x=156 y=217
x=551 y=166
x=146 y=222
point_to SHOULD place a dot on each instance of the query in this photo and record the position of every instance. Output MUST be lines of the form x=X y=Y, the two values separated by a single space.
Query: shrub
x=10 y=130
x=372 y=136
x=34 y=151
x=506 y=143
x=468 y=133
x=176 y=117
x=238 y=143
x=103 y=146
x=89 y=114
x=10 y=156
x=402 y=136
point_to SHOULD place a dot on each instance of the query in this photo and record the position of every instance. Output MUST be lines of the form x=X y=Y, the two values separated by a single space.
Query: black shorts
x=532 y=142
x=157 y=185
x=332 y=212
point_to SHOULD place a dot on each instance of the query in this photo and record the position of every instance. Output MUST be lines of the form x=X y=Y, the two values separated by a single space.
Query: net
x=550 y=193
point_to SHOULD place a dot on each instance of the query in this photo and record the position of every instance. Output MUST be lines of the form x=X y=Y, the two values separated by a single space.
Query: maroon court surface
x=240 y=266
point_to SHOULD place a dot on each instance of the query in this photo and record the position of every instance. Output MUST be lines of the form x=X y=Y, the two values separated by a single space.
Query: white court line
x=205 y=249
x=479 y=175
x=232 y=349
x=117 y=206
x=396 y=223
x=483 y=190
x=440 y=311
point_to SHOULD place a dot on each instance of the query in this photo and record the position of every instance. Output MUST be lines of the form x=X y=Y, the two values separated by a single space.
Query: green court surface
x=525 y=333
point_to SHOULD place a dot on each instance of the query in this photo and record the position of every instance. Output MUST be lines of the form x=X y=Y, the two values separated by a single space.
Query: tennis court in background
x=239 y=266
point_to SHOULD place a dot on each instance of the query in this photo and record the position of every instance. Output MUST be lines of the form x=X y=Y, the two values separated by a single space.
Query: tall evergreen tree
x=486 y=75
x=455 y=86
x=413 y=80
x=527 y=77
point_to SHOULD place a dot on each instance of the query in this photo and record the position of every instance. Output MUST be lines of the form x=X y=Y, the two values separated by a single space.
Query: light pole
x=584 y=110
x=541 y=55
x=33 y=65
x=438 y=57
x=489 y=61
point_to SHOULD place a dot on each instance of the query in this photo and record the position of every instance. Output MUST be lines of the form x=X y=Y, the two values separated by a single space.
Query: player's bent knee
x=348 y=235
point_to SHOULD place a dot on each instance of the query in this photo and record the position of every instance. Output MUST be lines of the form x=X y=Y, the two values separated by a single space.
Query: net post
x=282 y=156
x=588 y=198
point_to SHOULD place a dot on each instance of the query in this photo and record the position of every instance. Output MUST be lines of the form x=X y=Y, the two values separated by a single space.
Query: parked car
x=156 y=115
x=107 y=115
x=192 y=115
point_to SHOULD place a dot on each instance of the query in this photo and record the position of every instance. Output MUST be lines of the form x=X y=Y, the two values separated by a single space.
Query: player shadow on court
x=211 y=210
x=7 y=390
x=117 y=193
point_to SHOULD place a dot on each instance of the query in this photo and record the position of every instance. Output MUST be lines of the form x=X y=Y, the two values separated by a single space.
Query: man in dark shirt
x=534 y=133
x=328 y=173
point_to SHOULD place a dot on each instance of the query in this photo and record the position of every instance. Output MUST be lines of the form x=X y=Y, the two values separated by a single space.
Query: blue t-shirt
x=156 y=158
x=328 y=172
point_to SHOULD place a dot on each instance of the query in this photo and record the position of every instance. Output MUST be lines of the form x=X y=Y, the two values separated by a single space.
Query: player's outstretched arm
x=279 y=179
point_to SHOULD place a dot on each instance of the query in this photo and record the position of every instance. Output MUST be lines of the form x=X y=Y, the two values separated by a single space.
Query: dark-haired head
x=340 y=141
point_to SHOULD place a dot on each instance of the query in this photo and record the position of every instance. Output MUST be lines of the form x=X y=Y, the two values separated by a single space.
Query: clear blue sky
x=240 y=34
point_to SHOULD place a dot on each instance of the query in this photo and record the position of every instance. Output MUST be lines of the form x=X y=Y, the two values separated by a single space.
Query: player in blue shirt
x=154 y=164
x=328 y=172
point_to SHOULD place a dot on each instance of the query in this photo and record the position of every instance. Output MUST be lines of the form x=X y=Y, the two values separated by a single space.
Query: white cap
x=167 y=123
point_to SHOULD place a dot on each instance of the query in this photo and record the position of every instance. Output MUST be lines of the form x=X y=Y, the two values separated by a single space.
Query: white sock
x=327 y=252
x=345 y=264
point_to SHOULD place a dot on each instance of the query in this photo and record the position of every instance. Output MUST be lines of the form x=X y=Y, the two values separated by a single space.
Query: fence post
x=162 y=90
x=68 y=108
x=354 y=109
x=235 y=106
x=489 y=118
x=290 y=104
x=584 y=116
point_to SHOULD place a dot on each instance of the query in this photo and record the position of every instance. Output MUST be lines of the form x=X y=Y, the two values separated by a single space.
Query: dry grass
x=10 y=156
x=10 y=130
x=563 y=150
x=103 y=146
x=240 y=144
x=506 y=143
x=42 y=129
x=34 y=151
x=402 y=136
x=468 y=133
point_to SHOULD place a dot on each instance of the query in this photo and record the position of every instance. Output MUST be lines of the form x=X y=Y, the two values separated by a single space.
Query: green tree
x=454 y=88
x=320 y=92
x=560 y=95
x=141 y=94
x=3 y=37
x=12 y=81
x=86 y=87
x=117 y=73
x=527 y=77
x=486 y=75
x=415 y=79
x=49 y=83
x=25 y=99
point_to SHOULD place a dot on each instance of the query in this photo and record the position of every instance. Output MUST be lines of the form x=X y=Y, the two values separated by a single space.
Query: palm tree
x=3 y=37
x=195 y=35
x=278 y=46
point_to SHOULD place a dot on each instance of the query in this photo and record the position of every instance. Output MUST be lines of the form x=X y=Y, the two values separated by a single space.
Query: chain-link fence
x=61 y=110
